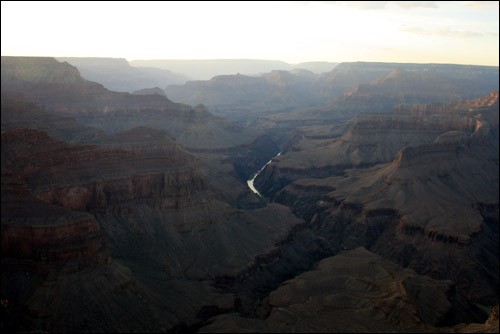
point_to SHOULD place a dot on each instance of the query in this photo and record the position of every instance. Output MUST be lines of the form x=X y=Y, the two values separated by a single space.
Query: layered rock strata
x=419 y=84
x=40 y=238
x=434 y=208
x=59 y=88
x=370 y=139
x=148 y=198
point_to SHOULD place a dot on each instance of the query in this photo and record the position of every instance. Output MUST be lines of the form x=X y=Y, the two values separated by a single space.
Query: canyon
x=376 y=207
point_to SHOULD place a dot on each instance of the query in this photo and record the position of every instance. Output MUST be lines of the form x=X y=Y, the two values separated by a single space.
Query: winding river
x=250 y=182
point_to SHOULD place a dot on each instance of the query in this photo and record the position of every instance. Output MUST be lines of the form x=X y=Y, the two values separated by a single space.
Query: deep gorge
x=371 y=215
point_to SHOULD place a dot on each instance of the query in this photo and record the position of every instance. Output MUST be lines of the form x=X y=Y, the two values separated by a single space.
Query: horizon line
x=253 y=59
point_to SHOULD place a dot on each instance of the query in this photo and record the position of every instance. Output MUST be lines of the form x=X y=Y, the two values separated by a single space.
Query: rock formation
x=125 y=212
x=136 y=195
x=117 y=74
x=355 y=291
x=59 y=89
x=18 y=112
x=40 y=238
x=434 y=207
x=296 y=98
x=379 y=87
x=138 y=192
x=370 y=139
x=348 y=75
x=244 y=98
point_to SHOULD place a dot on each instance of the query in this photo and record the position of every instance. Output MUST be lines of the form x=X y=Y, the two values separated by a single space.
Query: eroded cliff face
x=231 y=152
x=18 y=112
x=59 y=87
x=185 y=244
x=379 y=87
x=147 y=198
x=141 y=165
x=371 y=139
x=244 y=98
x=143 y=195
x=434 y=208
x=41 y=238
x=289 y=99
x=38 y=236
x=61 y=90
x=114 y=173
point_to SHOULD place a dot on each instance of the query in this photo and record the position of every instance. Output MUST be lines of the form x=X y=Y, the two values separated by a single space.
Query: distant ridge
x=116 y=73
x=205 y=69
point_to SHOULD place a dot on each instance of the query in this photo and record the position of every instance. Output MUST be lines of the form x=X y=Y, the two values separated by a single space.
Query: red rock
x=41 y=238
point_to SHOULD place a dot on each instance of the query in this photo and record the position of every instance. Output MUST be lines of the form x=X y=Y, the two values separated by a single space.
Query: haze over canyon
x=126 y=204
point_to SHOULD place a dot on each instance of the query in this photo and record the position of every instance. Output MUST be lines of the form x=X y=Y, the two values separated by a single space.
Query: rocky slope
x=59 y=88
x=355 y=291
x=434 y=208
x=188 y=241
x=377 y=138
x=147 y=198
x=136 y=195
x=132 y=176
x=39 y=238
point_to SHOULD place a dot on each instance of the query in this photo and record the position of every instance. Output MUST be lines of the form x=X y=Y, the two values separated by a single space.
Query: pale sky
x=460 y=32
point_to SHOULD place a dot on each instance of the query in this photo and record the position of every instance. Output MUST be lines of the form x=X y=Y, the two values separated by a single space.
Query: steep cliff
x=40 y=238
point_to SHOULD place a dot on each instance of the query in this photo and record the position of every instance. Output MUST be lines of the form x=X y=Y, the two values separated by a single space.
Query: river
x=250 y=182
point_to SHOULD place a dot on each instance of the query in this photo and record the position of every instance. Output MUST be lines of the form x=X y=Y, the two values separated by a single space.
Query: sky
x=459 y=32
